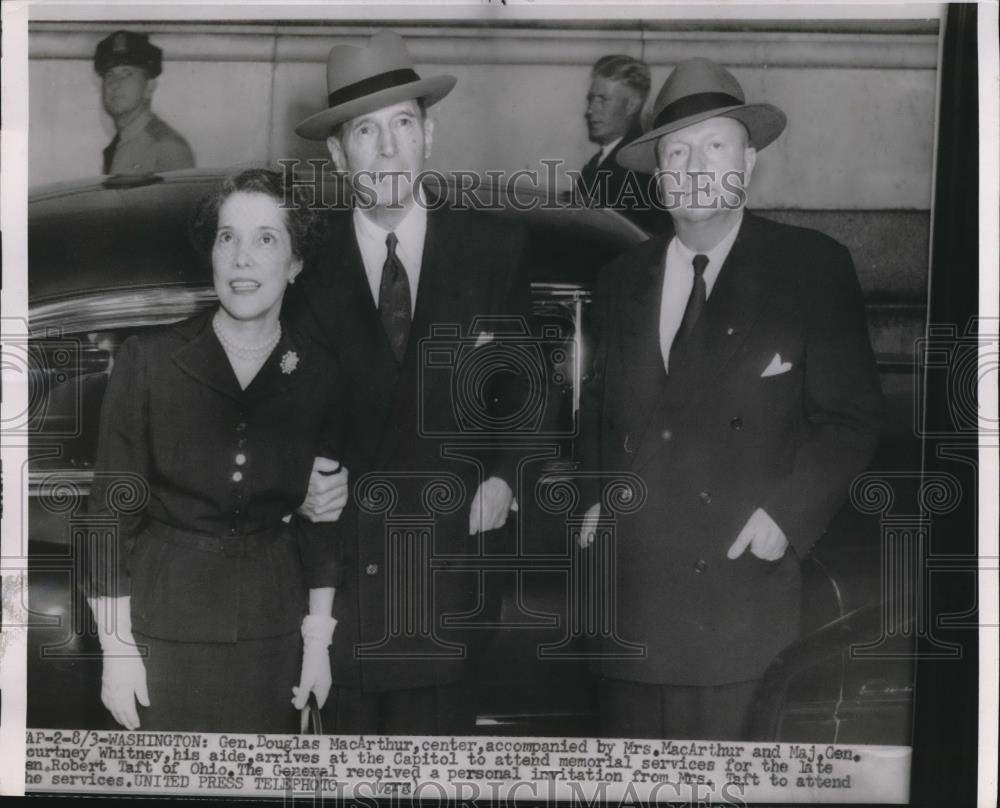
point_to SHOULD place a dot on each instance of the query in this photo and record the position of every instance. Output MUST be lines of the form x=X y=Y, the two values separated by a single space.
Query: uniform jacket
x=608 y=186
x=409 y=432
x=207 y=557
x=717 y=439
x=155 y=147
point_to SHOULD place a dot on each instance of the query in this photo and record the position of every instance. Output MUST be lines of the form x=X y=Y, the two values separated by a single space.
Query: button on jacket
x=209 y=556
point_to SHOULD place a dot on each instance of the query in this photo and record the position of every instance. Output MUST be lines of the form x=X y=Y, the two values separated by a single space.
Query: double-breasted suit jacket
x=209 y=556
x=394 y=612
x=774 y=403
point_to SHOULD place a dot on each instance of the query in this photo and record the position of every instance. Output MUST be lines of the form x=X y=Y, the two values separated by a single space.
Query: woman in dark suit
x=202 y=583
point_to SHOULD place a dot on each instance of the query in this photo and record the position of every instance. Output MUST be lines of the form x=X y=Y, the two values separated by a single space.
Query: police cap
x=128 y=48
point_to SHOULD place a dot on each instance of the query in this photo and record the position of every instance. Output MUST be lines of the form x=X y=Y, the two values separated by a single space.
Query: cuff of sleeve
x=799 y=527
x=318 y=629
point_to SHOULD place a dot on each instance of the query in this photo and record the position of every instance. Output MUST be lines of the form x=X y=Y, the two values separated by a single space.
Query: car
x=110 y=257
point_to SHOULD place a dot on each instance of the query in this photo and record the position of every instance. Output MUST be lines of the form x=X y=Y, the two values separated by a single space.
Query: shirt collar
x=410 y=231
x=607 y=148
x=135 y=127
x=716 y=256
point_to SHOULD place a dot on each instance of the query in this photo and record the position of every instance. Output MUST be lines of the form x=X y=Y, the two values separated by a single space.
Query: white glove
x=317 y=635
x=123 y=674
x=590 y=520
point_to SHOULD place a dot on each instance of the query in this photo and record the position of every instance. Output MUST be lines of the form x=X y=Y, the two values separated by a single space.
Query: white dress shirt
x=678 y=280
x=410 y=233
x=606 y=149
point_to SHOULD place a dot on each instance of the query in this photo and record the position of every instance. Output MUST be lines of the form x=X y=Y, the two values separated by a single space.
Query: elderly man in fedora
x=397 y=266
x=734 y=375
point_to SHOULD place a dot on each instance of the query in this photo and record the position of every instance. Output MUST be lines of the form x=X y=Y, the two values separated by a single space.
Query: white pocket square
x=776 y=367
x=483 y=337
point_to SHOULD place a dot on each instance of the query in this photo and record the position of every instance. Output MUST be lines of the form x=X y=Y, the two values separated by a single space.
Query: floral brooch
x=289 y=362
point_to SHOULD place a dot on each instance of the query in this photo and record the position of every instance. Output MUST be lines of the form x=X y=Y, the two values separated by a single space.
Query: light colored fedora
x=696 y=90
x=366 y=78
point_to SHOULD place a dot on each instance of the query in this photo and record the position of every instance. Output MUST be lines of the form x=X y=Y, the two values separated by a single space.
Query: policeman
x=128 y=65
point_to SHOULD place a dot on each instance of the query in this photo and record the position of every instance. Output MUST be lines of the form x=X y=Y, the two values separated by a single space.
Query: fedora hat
x=696 y=90
x=363 y=79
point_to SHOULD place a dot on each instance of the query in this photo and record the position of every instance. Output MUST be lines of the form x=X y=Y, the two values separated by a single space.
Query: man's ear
x=428 y=136
x=149 y=89
x=633 y=106
x=336 y=152
x=749 y=161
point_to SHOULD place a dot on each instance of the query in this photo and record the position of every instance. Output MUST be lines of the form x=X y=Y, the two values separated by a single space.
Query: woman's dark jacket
x=196 y=478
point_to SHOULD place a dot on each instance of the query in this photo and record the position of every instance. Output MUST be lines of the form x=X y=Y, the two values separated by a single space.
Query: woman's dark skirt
x=244 y=686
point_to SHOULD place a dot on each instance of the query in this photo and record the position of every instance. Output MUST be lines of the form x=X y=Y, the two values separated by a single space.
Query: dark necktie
x=394 y=299
x=587 y=176
x=109 y=153
x=695 y=305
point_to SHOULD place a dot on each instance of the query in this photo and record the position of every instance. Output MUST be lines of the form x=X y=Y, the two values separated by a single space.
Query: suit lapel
x=440 y=290
x=203 y=358
x=589 y=171
x=351 y=297
x=280 y=374
x=611 y=161
x=641 y=339
x=732 y=308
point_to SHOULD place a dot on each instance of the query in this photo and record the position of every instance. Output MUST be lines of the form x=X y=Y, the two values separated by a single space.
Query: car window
x=68 y=376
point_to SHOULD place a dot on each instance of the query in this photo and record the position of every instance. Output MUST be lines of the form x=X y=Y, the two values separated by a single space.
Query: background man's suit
x=604 y=185
x=469 y=269
x=715 y=440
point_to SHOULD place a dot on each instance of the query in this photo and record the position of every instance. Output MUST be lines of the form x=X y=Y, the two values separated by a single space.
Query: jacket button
x=241 y=426
x=736 y=423
x=666 y=434
x=700 y=565
x=705 y=497
x=237 y=476
x=371 y=569
x=241 y=459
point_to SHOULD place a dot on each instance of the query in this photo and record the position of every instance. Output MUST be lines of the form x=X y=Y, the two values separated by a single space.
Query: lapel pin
x=730 y=331
x=289 y=362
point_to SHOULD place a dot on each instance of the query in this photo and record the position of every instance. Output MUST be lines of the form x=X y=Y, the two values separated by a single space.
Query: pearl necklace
x=245 y=352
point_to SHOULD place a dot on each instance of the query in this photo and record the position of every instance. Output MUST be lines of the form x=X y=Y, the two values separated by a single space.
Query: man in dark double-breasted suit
x=401 y=297
x=735 y=379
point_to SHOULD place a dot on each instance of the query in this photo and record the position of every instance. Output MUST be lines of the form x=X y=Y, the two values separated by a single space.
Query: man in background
x=619 y=86
x=128 y=64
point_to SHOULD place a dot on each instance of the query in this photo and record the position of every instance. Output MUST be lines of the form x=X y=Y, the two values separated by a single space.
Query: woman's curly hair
x=305 y=224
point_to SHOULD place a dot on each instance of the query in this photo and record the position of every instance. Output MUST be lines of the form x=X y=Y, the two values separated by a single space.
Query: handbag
x=310 y=720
